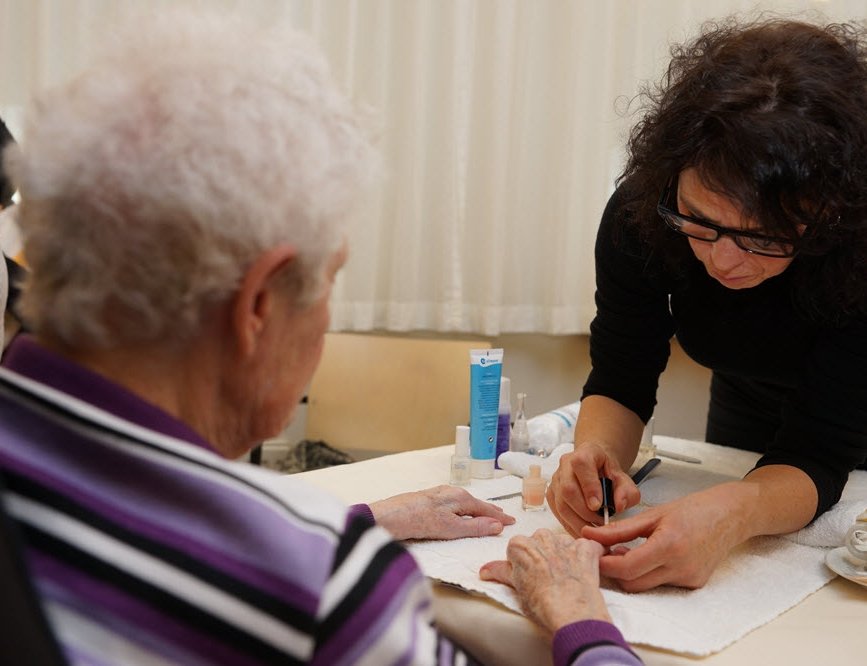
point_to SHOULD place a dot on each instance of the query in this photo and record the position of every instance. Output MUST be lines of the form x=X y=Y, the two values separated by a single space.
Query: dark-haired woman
x=739 y=226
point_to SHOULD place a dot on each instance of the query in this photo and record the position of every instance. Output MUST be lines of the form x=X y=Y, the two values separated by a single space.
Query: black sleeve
x=824 y=423
x=631 y=333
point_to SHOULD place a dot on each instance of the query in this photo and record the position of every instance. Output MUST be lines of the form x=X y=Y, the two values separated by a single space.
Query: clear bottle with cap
x=461 y=464
x=520 y=437
x=533 y=490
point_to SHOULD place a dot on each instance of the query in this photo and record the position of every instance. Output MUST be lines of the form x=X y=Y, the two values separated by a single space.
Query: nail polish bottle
x=461 y=463
x=533 y=491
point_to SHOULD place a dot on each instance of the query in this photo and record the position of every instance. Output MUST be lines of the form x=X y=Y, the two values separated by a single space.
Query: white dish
x=838 y=561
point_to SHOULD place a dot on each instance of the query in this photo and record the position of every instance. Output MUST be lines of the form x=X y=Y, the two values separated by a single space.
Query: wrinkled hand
x=443 y=512
x=575 y=493
x=686 y=540
x=555 y=576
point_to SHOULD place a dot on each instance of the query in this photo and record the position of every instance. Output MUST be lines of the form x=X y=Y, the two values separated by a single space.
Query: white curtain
x=501 y=125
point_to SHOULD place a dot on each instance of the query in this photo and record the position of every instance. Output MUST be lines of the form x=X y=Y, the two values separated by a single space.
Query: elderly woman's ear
x=258 y=295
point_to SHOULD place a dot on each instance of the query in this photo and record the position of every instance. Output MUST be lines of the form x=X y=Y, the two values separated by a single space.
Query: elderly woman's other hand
x=555 y=576
x=443 y=512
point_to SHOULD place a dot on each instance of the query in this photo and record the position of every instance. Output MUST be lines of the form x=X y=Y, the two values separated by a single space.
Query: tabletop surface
x=827 y=626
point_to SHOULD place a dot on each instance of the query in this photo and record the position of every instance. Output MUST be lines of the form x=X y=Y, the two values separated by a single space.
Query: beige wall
x=551 y=370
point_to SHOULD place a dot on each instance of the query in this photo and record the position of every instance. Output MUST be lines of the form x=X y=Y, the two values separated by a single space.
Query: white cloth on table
x=757 y=582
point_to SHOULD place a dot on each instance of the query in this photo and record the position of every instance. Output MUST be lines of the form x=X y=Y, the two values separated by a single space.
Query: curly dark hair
x=773 y=115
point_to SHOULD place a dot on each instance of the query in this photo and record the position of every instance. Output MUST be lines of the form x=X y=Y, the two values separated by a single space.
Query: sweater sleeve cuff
x=362 y=511
x=573 y=638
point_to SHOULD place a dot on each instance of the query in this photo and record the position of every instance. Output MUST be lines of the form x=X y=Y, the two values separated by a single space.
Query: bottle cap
x=462 y=441
x=482 y=469
x=505 y=395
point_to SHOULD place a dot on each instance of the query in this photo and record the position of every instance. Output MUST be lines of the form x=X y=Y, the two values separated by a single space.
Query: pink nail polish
x=533 y=490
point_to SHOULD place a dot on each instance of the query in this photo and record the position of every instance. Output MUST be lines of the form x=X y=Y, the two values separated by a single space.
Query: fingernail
x=493 y=527
x=594 y=503
x=483 y=574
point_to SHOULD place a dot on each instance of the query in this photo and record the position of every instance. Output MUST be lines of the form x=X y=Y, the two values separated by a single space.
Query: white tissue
x=549 y=430
x=518 y=463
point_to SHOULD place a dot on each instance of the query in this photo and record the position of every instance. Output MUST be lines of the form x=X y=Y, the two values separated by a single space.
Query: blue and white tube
x=486 y=368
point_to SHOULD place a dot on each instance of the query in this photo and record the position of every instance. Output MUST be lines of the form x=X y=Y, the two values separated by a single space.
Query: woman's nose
x=726 y=254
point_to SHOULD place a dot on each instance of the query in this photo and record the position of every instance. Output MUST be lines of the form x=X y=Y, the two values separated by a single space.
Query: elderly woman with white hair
x=183 y=203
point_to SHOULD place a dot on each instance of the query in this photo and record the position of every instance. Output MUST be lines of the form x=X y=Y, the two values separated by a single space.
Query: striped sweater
x=148 y=547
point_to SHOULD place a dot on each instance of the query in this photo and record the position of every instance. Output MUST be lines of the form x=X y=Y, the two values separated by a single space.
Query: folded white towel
x=829 y=529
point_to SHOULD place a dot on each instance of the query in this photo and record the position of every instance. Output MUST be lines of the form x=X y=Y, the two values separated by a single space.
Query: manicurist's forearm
x=611 y=425
x=785 y=499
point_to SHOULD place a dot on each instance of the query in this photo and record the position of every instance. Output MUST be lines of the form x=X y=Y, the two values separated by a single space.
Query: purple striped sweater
x=148 y=547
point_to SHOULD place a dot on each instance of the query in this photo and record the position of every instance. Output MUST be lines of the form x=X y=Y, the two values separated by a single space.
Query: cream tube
x=486 y=367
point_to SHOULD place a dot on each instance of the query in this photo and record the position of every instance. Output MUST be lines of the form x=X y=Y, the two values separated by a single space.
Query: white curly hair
x=151 y=181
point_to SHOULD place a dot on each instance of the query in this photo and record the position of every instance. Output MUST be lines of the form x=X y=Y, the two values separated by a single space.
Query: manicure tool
x=502 y=497
x=677 y=456
x=646 y=469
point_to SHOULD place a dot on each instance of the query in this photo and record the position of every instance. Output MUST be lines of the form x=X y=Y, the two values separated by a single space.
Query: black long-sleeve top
x=758 y=333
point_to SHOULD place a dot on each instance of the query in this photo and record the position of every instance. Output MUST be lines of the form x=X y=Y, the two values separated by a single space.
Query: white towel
x=759 y=580
x=829 y=529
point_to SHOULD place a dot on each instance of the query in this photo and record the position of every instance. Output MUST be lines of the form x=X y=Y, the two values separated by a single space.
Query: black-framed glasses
x=695 y=227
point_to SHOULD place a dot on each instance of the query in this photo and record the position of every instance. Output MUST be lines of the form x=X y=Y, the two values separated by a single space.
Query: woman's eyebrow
x=693 y=210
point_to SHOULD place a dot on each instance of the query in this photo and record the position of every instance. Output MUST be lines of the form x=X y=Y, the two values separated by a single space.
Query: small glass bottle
x=520 y=438
x=533 y=490
x=459 y=474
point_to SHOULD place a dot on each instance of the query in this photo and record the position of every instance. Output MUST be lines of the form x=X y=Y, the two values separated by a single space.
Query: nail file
x=677 y=456
x=502 y=497
x=646 y=469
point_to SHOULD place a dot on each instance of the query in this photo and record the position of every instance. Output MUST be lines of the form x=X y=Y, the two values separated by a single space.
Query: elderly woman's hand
x=555 y=576
x=443 y=512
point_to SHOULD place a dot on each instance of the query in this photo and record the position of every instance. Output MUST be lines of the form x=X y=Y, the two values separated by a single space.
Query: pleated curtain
x=501 y=125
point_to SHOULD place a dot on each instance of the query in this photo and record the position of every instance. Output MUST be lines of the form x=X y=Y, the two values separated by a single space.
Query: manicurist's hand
x=555 y=576
x=689 y=537
x=686 y=540
x=443 y=512
x=575 y=492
